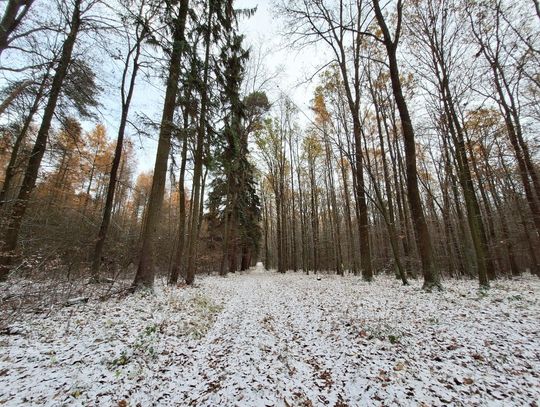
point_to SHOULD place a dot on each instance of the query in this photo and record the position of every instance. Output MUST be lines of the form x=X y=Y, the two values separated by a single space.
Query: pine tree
x=234 y=187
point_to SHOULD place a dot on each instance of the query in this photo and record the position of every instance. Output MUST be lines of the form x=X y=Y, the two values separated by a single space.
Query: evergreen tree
x=233 y=202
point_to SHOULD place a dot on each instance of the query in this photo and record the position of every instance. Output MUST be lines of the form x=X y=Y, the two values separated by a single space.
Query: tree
x=491 y=33
x=177 y=17
x=423 y=239
x=234 y=188
x=437 y=29
x=10 y=238
x=132 y=65
x=341 y=28
x=199 y=146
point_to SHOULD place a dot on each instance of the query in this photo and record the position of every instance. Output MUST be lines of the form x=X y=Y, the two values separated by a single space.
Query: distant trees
x=411 y=188
x=333 y=24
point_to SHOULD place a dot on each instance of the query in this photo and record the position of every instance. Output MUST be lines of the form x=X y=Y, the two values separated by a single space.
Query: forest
x=155 y=158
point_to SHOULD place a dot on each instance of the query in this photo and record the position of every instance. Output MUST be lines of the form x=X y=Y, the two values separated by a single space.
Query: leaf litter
x=268 y=339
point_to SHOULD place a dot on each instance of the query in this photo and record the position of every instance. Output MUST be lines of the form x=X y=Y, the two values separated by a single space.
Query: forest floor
x=264 y=339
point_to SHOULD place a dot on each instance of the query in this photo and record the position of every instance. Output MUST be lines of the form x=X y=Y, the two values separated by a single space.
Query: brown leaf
x=477 y=356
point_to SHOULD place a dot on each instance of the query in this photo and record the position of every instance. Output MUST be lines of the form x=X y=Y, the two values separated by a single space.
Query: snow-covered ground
x=263 y=339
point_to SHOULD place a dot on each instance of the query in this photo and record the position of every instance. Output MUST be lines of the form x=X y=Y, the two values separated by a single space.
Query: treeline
x=71 y=202
x=422 y=153
x=420 y=156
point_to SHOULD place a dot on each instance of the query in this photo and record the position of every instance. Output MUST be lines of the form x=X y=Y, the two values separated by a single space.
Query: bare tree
x=423 y=239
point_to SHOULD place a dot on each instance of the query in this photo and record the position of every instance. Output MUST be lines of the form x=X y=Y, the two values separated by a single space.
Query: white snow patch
x=268 y=339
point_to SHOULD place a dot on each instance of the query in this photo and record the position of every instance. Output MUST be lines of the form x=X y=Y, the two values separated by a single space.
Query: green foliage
x=233 y=199
x=121 y=360
x=393 y=339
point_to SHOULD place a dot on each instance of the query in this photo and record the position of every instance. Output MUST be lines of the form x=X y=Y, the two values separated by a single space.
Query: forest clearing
x=269 y=339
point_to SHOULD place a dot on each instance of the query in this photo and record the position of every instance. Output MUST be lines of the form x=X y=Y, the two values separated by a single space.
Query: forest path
x=297 y=340
x=273 y=343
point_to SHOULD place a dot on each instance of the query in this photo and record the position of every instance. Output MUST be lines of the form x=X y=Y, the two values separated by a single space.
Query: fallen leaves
x=284 y=340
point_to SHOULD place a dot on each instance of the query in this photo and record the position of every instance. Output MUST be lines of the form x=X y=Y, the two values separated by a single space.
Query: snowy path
x=286 y=340
x=270 y=340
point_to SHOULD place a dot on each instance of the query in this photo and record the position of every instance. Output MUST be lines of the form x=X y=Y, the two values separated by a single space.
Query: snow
x=267 y=339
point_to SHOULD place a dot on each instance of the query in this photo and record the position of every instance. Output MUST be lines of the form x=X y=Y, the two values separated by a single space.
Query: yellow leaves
x=144 y=182
x=98 y=136
x=322 y=116
x=99 y=151
x=312 y=146
x=482 y=119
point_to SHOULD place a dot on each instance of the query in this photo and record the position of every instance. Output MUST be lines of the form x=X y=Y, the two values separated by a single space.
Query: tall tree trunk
x=198 y=158
x=348 y=214
x=305 y=267
x=11 y=235
x=175 y=272
x=388 y=209
x=293 y=210
x=359 y=187
x=334 y=216
x=113 y=178
x=423 y=240
x=484 y=264
x=314 y=216
x=145 y=271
